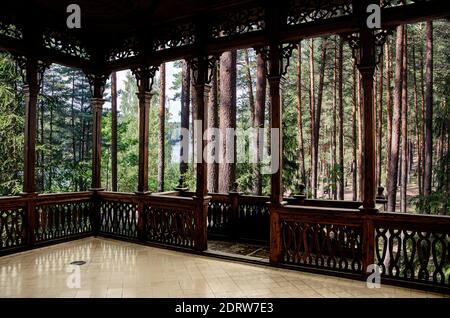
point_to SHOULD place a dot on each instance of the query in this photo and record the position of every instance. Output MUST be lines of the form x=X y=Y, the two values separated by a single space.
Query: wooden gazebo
x=342 y=238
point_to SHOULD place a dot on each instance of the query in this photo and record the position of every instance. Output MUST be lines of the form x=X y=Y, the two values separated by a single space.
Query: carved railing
x=118 y=214
x=410 y=249
x=247 y=217
x=13 y=220
x=318 y=238
x=413 y=248
x=31 y=220
x=165 y=218
x=62 y=215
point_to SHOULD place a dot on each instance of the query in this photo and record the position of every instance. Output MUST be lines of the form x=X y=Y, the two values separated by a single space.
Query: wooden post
x=31 y=90
x=33 y=72
x=234 y=213
x=144 y=77
x=201 y=92
x=97 y=114
x=276 y=195
x=366 y=66
x=97 y=83
x=275 y=235
x=368 y=245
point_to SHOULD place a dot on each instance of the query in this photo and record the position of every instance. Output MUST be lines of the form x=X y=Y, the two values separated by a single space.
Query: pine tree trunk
x=114 y=131
x=259 y=119
x=317 y=116
x=422 y=94
x=334 y=126
x=380 y=123
x=185 y=101
x=249 y=80
x=428 y=113
x=393 y=168
x=227 y=119
x=213 y=122
x=354 y=137
x=388 y=109
x=312 y=113
x=404 y=163
x=161 y=130
x=341 y=183
x=300 y=141
x=417 y=122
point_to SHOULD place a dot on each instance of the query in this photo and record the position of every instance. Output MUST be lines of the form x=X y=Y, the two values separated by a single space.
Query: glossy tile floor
x=120 y=269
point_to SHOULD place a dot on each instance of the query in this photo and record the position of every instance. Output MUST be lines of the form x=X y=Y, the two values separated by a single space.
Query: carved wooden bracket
x=285 y=53
x=378 y=36
x=145 y=77
x=21 y=64
x=203 y=68
x=97 y=83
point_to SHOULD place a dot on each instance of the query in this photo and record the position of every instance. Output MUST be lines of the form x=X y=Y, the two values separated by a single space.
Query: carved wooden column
x=32 y=73
x=31 y=91
x=274 y=78
x=97 y=83
x=201 y=78
x=144 y=77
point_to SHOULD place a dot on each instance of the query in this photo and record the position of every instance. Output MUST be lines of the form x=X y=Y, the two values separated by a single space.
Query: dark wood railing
x=165 y=218
x=411 y=249
x=33 y=220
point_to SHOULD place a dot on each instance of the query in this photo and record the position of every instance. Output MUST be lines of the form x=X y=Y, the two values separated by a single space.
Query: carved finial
x=301 y=189
x=234 y=187
x=380 y=194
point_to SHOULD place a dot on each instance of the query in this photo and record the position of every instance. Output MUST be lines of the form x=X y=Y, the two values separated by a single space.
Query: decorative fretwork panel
x=67 y=45
x=170 y=226
x=61 y=220
x=11 y=31
x=330 y=246
x=119 y=218
x=304 y=11
x=172 y=36
x=12 y=227
x=238 y=22
x=219 y=217
x=416 y=256
x=127 y=49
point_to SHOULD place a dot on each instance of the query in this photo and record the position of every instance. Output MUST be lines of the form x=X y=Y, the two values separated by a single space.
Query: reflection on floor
x=121 y=269
x=250 y=251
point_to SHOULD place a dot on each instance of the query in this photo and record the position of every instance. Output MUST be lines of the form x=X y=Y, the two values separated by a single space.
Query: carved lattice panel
x=119 y=218
x=304 y=11
x=218 y=217
x=61 y=220
x=170 y=226
x=11 y=31
x=238 y=22
x=12 y=228
x=413 y=255
x=329 y=246
x=65 y=44
x=127 y=49
x=173 y=36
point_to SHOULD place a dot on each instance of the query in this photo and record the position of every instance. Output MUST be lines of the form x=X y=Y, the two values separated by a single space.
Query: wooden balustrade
x=166 y=218
x=411 y=249
x=13 y=220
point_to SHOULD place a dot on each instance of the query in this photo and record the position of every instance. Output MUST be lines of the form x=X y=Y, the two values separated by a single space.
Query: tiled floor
x=120 y=269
